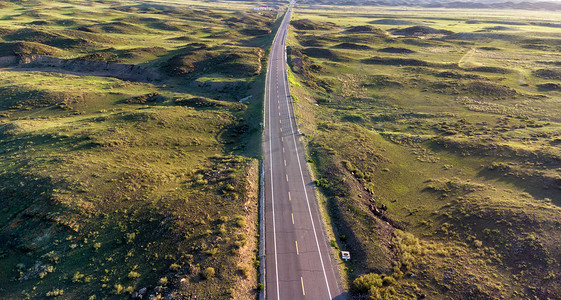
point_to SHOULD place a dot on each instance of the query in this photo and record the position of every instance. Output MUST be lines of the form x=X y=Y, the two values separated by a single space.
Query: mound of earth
x=113 y=55
x=456 y=75
x=548 y=73
x=311 y=40
x=352 y=46
x=31 y=35
x=229 y=61
x=500 y=28
x=420 y=30
x=550 y=86
x=489 y=48
x=227 y=34
x=255 y=31
x=472 y=36
x=59 y=40
x=486 y=89
x=392 y=22
x=376 y=60
x=17 y=97
x=498 y=70
x=322 y=53
x=27 y=48
x=147 y=98
x=396 y=50
x=202 y=102
x=115 y=27
x=73 y=22
x=365 y=29
x=306 y=24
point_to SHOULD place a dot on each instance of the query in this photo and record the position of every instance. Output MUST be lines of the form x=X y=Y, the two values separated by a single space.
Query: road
x=298 y=263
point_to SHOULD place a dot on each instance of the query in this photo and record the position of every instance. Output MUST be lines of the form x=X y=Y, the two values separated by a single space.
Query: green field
x=127 y=160
x=434 y=135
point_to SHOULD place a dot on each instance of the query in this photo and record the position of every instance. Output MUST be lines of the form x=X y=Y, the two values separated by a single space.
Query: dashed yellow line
x=289 y=198
x=303 y=290
x=297 y=252
x=292 y=218
x=286 y=177
x=285 y=162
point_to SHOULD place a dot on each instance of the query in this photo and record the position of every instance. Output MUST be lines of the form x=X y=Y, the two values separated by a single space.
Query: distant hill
x=482 y=4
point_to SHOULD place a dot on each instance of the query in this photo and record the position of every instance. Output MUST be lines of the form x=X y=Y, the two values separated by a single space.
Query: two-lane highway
x=298 y=262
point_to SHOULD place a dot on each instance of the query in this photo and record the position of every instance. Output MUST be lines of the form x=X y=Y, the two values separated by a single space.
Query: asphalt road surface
x=298 y=263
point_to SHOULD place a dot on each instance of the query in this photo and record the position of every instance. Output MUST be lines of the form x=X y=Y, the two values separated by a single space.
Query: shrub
x=240 y=221
x=366 y=282
x=260 y=286
x=78 y=277
x=208 y=273
x=55 y=293
x=174 y=267
x=133 y=275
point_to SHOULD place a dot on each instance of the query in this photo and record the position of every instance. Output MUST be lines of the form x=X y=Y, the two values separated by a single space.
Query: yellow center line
x=282 y=139
x=280 y=121
x=303 y=290
x=297 y=252
x=286 y=177
x=281 y=129
x=289 y=198
x=285 y=162
x=292 y=218
x=283 y=149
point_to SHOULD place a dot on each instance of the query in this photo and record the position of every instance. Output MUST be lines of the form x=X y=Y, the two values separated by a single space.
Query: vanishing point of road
x=298 y=262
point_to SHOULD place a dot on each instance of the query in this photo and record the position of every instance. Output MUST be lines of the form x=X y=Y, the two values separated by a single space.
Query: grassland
x=435 y=136
x=128 y=163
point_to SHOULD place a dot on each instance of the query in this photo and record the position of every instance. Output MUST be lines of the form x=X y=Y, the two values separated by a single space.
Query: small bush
x=55 y=293
x=174 y=267
x=208 y=273
x=133 y=275
x=260 y=286
x=366 y=282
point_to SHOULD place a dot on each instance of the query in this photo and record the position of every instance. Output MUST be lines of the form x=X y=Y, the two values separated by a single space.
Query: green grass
x=109 y=186
x=439 y=165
